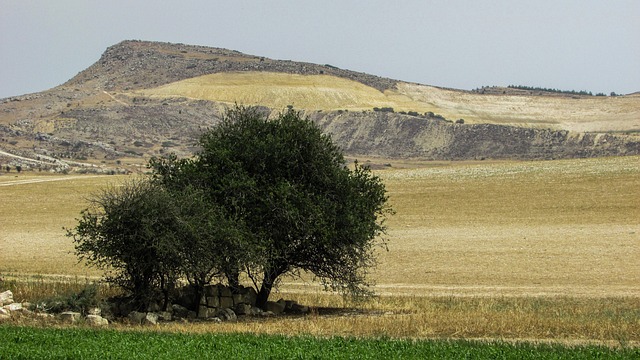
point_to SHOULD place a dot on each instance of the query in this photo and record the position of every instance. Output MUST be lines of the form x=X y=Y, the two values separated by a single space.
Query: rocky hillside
x=144 y=98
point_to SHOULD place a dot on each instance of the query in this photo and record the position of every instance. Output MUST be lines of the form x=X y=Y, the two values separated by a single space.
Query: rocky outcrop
x=132 y=65
x=393 y=135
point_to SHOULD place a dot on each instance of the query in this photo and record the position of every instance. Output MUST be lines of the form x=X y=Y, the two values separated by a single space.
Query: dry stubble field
x=489 y=249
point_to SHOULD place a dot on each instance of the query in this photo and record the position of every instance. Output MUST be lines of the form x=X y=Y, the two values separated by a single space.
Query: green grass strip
x=82 y=343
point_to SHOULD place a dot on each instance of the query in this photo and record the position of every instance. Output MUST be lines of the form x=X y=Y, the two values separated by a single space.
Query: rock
x=213 y=301
x=288 y=304
x=150 y=319
x=274 y=307
x=4 y=317
x=299 y=309
x=153 y=307
x=226 y=302
x=94 y=311
x=250 y=296
x=96 y=320
x=6 y=297
x=255 y=311
x=206 y=312
x=211 y=291
x=226 y=314
x=225 y=291
x=136 y=317
x=238 y=299
x=13 y=307
x=180 y=311
x=4 y=311
x=70 y=317
x=165 y=316
x=243 y=309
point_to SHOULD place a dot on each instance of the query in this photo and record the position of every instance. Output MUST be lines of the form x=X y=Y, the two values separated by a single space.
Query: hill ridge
x=109 y=116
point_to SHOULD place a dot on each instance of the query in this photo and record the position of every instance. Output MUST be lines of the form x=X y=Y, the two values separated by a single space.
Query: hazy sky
x=591 y=45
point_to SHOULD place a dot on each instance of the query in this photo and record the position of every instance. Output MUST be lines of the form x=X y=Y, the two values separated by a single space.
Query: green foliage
x=263 y=198
x=287 y=186
x=62 y=343
x=533 y=88
x=131 y=232
x=147 y=238
x=80 y=301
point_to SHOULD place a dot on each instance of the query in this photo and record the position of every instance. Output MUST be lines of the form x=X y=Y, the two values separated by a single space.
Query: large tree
x=300 y=206
x=147 y=238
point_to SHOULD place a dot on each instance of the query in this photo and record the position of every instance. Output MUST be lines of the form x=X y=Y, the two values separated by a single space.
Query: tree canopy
x=262 y=198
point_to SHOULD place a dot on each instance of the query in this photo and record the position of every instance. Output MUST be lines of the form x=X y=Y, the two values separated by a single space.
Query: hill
x=148 y=98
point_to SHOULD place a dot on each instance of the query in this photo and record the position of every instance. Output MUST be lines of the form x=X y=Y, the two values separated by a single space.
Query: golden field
x=324 y=92
x=508 y=249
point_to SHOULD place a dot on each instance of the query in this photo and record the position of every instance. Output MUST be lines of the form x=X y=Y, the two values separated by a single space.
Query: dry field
x=487 y=249
x=569 y=227
x=324 y=92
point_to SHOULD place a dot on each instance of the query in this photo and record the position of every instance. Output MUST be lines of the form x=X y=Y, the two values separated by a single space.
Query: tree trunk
x=265 y=289
x=233 y=277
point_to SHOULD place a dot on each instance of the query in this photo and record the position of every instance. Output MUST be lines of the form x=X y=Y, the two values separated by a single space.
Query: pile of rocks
x=222 y=302
x=218 y=303
x=10 y=309
x=8 y=306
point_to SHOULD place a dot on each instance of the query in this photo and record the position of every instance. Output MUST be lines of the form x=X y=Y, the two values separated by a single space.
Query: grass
x=324 y=92
x=511 y=250
x=28 y=343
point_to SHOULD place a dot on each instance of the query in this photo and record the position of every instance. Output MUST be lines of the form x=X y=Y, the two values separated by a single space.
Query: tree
x=300 y=207
x=130 y=232
x=147 y=239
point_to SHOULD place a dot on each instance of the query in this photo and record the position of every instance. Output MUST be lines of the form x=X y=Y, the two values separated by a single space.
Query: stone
x=206 y=312
x=70 y=317
x=243 y=309
x=299 y=309
x=154 y=307
x=4 y=317
x=165 y=316
x=238 y=299
x=211 y=290
x=180 y=311
x=4 y=311
x=288 y=304
x=226 y=314
x=213 y=301
x=6 y=297
x=250 y=295
x=274 y=307
x=96 y=320
x=13 y=307
x=226 y=302
x=136 y=317
x=225 y=291
x=150 y=319
x=94 y=311
x=255 y=311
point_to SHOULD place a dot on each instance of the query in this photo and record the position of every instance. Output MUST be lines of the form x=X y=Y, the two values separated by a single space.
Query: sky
x=591 y=45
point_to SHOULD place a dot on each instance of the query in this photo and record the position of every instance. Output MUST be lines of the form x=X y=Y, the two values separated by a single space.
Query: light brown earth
x=568 y=227
x=324 y=92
